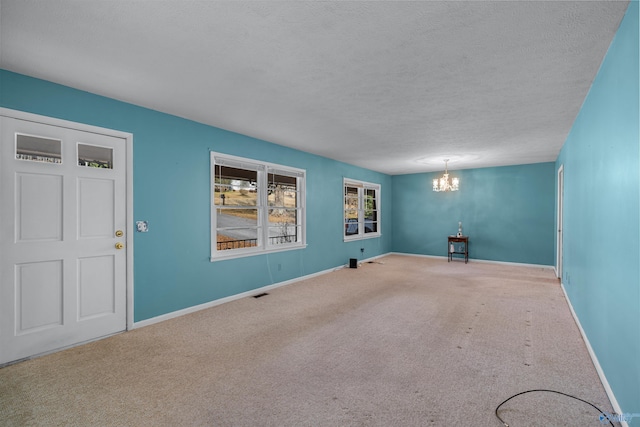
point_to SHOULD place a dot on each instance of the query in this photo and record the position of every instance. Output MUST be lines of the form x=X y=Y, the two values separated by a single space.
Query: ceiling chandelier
x=443 y=183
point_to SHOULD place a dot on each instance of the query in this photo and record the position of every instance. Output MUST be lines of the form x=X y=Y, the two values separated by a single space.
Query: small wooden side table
x=454 y=240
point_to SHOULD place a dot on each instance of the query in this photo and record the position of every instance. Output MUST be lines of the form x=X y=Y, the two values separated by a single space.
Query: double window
x=361 y=210
x=257 y=207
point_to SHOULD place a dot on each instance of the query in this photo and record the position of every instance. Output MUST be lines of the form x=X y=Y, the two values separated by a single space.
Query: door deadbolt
x=119 y=233
x=119 y=245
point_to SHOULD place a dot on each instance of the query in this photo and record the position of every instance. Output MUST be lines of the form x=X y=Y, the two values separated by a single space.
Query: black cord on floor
x=549 y=391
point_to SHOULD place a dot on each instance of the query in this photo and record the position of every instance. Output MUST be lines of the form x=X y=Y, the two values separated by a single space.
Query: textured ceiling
x=392 y=86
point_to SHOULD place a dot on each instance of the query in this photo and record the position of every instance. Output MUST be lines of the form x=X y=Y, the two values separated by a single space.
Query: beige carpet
x=406 y=342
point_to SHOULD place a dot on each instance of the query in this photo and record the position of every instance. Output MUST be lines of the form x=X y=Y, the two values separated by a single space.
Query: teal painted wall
x=507 y=212
x=602 y=215
x=172 y=270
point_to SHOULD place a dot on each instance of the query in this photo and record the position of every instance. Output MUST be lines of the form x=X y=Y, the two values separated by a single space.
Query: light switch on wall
x=142 y=226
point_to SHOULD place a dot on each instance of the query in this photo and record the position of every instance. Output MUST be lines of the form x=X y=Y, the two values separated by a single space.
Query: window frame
x=362 y=186
x=263 y=169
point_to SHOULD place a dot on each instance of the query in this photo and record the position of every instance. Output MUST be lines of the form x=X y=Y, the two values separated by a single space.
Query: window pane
x=237 y=238
x=351 y=198
x=371 y=215
x=237 y=217
x=236 y=198
x=351 y=214
x=235 y=187
x=280 y=234
x=370 y=199
x=283 y=225
x=282 y=239
x=348 y=190
x=281 y=215
x=370 y=226
x=282 y=191
x=282 y=180
x=236 y=228
x=370 y=211
x=95 y=157
x=351 y=226
x=38 y=149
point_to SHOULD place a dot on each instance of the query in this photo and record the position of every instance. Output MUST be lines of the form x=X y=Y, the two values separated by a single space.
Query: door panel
x=96 y=286
x=96 y=208
x=63 y=197
x=39 y=291
x=36 y=194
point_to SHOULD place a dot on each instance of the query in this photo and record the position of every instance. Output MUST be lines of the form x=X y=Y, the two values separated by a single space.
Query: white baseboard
x=214 y=303
x=366 y=260
x=484 y=261
x=417 y=255
x=612 y=398
x=520 y=264
x=210 y=304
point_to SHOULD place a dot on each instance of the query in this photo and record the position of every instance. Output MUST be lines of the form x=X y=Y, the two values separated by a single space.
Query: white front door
x=62 y=237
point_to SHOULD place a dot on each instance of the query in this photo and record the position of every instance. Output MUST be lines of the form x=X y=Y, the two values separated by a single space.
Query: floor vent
x=261 y=295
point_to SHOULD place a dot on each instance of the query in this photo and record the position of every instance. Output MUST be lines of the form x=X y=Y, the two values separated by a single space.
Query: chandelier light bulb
x=443 y=183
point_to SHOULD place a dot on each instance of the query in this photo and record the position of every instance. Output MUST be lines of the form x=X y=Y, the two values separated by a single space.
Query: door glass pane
x=38 y=149
x=95 y=157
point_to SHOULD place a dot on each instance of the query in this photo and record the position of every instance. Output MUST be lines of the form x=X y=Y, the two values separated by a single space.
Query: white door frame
x=560 y=230
x=128 y=138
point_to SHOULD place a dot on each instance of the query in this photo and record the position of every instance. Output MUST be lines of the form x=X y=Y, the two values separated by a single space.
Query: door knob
x=119 y=245
x=119 y=233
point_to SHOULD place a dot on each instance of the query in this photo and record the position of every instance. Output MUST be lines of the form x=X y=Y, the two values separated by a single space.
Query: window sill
x=362 y=237
x=225 y=257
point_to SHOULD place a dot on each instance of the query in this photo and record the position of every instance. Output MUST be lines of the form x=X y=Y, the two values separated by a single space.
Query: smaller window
x=361 y=210
x=94 y=156
x=38 y=149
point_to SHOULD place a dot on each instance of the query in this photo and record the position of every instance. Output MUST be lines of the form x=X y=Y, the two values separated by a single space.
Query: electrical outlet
x=142 y=226
x=362 y=250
